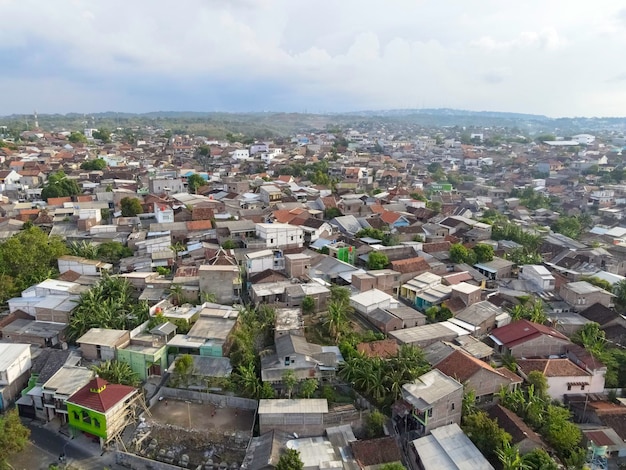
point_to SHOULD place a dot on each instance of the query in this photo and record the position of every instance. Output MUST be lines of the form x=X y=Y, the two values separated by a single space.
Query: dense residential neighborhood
x=365 y=297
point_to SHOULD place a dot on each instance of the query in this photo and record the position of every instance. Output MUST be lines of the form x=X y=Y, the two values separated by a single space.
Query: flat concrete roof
x=102 y=337
x=9 y=352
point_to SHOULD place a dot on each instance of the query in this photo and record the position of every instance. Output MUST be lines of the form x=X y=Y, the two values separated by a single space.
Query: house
x=288 y=321
x=477 y=375
x=446 y=448
x=306 y=360
x=280 y=235
x=83 y=266
x=496 y=269
x=222 y=280
x=579 y=295
x=304 y=417
x=538 y=276
x=102 y=409
x=431 y=401
x=522 y=437
x=563 y=376
x=526 y=339
x=63 y=384
x=37 y=333
x=101 y=344
x=370 y=300
x=270 y=194
x=425 y=335
x=258 y=261
x=209 y=335
x=481 y=317
x=15 y=364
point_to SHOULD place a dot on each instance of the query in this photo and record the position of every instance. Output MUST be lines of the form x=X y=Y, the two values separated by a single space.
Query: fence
x=222 y=401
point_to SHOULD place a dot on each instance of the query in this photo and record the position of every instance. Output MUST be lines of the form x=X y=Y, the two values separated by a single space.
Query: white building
x=259 y=261
x=241 y=154
x=88 y=267
x=163 y=213
x=15 y=363
x=538 y=275
x=370 y=300
x=584 y=138
x=280 y=235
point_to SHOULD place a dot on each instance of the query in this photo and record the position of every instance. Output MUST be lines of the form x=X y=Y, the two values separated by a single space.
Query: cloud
x=320 y=55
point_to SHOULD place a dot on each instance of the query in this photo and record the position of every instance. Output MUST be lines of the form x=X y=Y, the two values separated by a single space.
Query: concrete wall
x=219 y=282
x=542 y=346
x=218 y=400
x=139 y=463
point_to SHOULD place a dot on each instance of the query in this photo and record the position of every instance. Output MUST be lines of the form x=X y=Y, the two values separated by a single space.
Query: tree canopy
x=26 y=258
x=131 y=206
x=194 y=182
x=13 y=436
x=377 y=260
x=59 y=185
x=94 y=165
x=290 y=460
x=117 y=372
x=77 y=137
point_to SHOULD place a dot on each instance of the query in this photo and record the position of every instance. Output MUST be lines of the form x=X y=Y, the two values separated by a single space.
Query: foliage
x=308 y=388
x=510 y=458
x=77 y=137
x=483 y=252
x=131 y=206
x=194 y=181
x=339 y=294
x=374 y=424
x=392 y=466
x=103 y=135
x=289 y=380
x=116 y=372
x=381 y=379
x=108 y=304
x=13 y=436
x=371 y=233
x=96 y=164
x=619 y=289
x=485 y=433
x=308 y=304
x=377 y=260
x=183 y=368
x=461 y=254
x=568 y=226
x=509 y=231
x=26 y=258
x=535 y=311
x=336 y=319
x=332 y=212
x=229 y=244
x=539 y=383
x=538 y=459
x=112 y=252
x=521 y=256
x=437 y=314
x=290 y=460
x=59 y=185
x=531 y=199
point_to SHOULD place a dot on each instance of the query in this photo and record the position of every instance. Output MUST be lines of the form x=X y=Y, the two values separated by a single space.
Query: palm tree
x=289 y=380
x=510 y=458
x=84 y=249
x=178 y=294
x=537 y=312
x=336 y=319
x=117 y=372
x=249 y=380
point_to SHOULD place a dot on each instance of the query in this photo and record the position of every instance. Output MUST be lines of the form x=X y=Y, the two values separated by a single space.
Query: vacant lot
x=202 y=417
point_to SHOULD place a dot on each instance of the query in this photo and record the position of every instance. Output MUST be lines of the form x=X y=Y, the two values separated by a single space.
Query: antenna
x=36 y=120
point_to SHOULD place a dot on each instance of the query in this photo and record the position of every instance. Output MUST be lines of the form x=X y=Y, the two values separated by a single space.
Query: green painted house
x=144 y=360
x=101 y=409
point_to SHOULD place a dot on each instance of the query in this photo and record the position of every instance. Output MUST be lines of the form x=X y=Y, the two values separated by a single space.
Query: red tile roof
x=100 y=395
x=552 y=367
x=523 y=330
x=462 y=366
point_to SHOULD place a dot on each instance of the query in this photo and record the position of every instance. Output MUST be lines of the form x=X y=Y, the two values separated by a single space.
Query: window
x=76 y=417
x=430 y=413
x=452 y=406
x=96 y=423
x=271 y=240
x=582 y=387
x=569 y=386
x=86 y=418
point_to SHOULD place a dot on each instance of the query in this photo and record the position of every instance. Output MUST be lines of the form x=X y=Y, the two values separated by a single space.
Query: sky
x=554 y=57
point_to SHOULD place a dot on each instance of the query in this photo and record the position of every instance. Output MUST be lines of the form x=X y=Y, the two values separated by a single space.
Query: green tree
x=540 y=384
x=183 y=368
x=619 y=289
x=194 y=181
x=510 y=458
x=559 y=431
x=308 y=388
x=77 y=137
x=374 y=424
x=96 y=164
x=290 y=460
x=377 y=260
x=485 y=433
x=336 y=319
x=26 y=258
x=596 y=281
x=308 y=305
x=289 y=380
x=460 y=254
x=131 y=206
x=483 y=252
x=568 y=226
x=113 y=252
x=229 y=244
x=59 y=185
x=267 y=391
x=538 y=459
x=13 y=436
x=332 y=212
x=339 y=294
x=117 y=372
x=103 y=135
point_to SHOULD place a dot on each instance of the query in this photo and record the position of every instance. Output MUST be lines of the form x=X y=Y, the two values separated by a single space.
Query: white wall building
x=280 y=235
x=538 y=275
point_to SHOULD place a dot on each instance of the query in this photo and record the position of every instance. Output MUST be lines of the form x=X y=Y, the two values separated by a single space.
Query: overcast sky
x=553 y=57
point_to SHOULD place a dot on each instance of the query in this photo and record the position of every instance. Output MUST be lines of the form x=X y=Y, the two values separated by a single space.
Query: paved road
x=54 y=443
